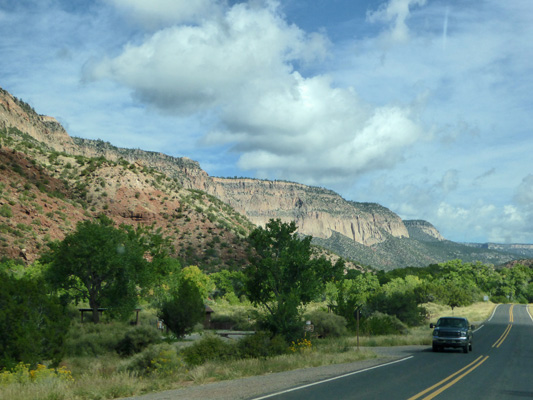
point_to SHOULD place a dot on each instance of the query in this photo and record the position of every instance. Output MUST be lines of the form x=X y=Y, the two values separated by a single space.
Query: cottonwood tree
x=283 y=275
x=100 y=264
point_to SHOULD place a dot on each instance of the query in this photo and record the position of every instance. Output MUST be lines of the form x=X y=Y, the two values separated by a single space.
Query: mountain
x=50 y=181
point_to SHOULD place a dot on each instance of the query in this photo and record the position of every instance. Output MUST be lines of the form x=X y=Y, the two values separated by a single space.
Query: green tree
x=183 y=308
x=351 y=294
x=228 y=283
x=201 y=280
x=100 y=264
x=457 y=285
x=283 y=275
x=455 y=293
x=32 y=323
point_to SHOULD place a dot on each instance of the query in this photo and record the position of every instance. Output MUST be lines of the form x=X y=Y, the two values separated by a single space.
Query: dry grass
x=475 y=313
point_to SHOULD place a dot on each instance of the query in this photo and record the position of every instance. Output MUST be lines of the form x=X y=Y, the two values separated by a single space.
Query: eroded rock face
x=316 y=211
x=17 y=114
x=421 y=228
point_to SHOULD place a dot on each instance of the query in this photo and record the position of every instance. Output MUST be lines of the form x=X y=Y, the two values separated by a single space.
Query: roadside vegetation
x=288 y=308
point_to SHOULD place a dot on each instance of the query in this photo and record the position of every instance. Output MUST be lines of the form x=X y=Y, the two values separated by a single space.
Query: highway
x=499 y=367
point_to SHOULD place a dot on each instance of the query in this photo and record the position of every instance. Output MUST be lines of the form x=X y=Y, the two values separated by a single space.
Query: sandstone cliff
x=317 y=211
x=422 y=230
x=18 y=114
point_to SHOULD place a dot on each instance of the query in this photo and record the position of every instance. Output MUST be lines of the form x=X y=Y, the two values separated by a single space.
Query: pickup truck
x=453 y=332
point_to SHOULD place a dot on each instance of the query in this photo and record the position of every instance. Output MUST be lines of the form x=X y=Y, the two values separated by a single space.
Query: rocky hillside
x=317 y=212
x=47 y=185
x=50 y=181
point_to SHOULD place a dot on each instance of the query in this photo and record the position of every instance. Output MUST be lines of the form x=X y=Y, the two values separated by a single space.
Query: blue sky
x=422 y=106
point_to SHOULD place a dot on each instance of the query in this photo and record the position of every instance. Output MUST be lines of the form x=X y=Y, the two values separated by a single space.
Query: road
x=499 y=367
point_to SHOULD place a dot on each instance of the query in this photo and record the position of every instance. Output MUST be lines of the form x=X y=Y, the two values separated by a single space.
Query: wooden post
x=357 y=328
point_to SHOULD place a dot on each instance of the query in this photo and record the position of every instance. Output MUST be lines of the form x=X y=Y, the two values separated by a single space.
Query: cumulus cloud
x=243 y=67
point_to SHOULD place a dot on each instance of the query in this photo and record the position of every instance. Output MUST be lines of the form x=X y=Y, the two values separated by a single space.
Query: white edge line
x=527 y=309
x=330 y=379
x=493 y=312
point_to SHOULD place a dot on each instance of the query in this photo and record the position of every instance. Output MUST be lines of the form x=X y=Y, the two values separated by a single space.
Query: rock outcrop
x=422 y=230
x=318 y=212
x=18 y=114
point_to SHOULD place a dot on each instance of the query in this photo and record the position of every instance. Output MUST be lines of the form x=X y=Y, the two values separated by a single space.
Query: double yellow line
x=451 y=380
x=442 y=385
x=505 y=333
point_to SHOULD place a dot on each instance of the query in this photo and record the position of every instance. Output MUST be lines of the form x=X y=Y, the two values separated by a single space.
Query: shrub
x=262 y=345
x=137 y=339
x=383 y=324
x=90 y=339
x=156 y=358
x=402 y=305
x=238 y=320
x=5 y=211
x=301 y=346
x=499 y=299
x=21 y=373
x=327 y=324
x=208 y=348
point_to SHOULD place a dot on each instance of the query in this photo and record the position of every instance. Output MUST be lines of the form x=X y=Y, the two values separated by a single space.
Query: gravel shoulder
x=256 y=386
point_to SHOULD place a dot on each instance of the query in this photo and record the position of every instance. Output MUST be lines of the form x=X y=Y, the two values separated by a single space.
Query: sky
x=422 y=106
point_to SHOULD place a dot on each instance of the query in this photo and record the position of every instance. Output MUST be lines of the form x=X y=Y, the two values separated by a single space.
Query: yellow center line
x=499 y=342
x=442 y=389
x=504 y=335
x=442 y=385
x=448 y=378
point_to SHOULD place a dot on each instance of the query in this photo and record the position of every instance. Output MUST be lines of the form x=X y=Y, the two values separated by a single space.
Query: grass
x=105 y=376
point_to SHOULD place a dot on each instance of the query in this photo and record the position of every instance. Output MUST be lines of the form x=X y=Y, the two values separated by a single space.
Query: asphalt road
x=499 y=367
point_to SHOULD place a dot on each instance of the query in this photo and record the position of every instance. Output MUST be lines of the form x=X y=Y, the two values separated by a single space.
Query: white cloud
x=426 y=109
x=284 y=125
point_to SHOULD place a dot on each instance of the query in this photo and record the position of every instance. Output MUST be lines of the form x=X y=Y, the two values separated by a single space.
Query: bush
x=383 y=324
x=261 y=345
x=5 y=211
x=206 y=349
x=90 y=339
x=499 y=299
x=327 y=324
x=156 y=358
x=237 y=320
x=137 y=339
x=402 y=305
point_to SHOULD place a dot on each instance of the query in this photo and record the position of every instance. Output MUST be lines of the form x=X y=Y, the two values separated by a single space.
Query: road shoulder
x=256 y=386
